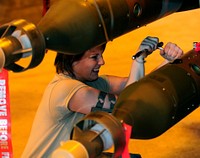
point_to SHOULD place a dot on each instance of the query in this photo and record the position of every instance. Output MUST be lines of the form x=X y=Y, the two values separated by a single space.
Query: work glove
x=148 y=45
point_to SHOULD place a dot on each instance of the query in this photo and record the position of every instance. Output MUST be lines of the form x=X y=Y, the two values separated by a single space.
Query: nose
x=101 y=61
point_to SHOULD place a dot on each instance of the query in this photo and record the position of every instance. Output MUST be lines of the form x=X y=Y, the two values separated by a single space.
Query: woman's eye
x=95 y=57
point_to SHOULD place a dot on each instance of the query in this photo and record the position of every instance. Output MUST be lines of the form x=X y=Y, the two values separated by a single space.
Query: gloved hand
x=149 y=44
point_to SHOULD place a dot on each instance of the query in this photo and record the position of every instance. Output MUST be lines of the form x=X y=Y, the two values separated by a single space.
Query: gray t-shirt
x=54 y=121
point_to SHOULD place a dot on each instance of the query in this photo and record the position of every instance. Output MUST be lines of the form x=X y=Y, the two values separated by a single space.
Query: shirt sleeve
x=101 y=84
x=61 y=94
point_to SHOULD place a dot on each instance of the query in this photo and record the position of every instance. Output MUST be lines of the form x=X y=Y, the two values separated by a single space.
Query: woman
x=77 y=89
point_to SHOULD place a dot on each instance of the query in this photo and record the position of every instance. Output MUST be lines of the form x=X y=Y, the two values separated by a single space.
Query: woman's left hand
x=171 y=52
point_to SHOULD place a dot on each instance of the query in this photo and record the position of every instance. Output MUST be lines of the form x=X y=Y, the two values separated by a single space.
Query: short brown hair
x=63 y=62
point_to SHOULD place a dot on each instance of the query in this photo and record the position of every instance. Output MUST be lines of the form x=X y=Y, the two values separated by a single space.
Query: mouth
x=96 y=70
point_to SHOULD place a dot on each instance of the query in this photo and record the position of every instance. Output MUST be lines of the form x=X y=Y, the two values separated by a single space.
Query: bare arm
x=137 y=71
x=117 y=84
x=86 y=98
x=170 y=52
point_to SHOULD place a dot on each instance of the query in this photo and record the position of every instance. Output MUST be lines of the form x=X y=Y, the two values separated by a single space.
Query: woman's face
x=87 y=68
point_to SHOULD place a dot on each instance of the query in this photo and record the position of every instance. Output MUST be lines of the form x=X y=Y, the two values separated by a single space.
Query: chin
x=93 y=78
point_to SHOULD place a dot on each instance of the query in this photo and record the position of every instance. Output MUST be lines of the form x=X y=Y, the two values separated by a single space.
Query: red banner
x=5 y=119
x=127 y=129
x=46 y=5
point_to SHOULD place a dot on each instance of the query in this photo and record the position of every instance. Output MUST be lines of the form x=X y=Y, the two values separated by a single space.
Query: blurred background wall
x=13 y=9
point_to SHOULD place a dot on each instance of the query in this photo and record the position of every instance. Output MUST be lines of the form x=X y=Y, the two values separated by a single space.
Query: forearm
x=137 y=71
x=87 y=99
x=163 y=63
x=148 y=45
